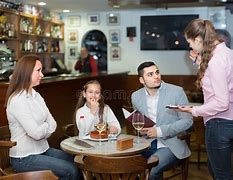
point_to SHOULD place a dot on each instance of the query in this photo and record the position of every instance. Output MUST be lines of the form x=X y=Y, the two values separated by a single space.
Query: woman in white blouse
x=91 y=109
x=31 y=123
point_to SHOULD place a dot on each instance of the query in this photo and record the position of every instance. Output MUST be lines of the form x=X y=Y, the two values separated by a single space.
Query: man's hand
x=150 y=132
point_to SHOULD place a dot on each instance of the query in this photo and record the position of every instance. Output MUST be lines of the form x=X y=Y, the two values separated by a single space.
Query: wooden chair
x=124 y=167
x=5 y=144
x=38 y=175
x=181 y=169
x=70 y=130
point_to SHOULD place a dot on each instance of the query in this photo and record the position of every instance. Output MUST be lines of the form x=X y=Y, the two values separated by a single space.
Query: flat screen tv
x=164 y=32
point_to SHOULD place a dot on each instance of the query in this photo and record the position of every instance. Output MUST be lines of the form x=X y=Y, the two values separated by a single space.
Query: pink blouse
x=217 y=86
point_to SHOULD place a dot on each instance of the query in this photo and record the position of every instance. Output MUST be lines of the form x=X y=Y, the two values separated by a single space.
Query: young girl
x=91 y=109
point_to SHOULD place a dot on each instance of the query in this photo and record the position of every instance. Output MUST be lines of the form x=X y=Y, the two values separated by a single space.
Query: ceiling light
x=66 y=10
x=41 y=3
x=116 y=6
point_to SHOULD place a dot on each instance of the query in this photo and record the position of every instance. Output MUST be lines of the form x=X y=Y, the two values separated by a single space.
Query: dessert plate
x=88 y=137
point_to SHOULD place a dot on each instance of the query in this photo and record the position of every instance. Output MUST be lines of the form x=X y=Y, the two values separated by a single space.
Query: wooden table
x=105 y=149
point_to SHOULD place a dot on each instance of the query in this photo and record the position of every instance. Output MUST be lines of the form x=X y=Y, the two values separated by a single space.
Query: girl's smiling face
x=93 y=92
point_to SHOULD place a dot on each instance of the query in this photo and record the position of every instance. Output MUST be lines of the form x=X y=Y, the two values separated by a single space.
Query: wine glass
x=138 y=123
x=100 y=127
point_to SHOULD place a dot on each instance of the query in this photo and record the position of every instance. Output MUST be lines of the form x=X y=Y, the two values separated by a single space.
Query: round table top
x=106 y=148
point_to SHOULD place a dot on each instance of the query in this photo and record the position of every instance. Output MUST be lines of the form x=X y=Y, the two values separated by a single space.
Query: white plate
x=93 y=139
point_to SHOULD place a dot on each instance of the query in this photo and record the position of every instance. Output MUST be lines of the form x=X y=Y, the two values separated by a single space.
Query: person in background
x=86 y=63
x=151 y=101
x=31 y=123
x=92 y=108
x=215 y=78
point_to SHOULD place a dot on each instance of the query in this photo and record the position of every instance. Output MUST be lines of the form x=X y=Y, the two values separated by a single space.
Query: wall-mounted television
x=164 y=32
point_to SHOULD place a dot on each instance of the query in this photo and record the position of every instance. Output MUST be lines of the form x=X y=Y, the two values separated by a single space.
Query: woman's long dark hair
x=82 y=100
x=21 y=77
x=206 y=31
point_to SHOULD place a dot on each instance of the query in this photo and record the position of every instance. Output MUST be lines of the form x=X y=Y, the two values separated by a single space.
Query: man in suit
x=151 y=100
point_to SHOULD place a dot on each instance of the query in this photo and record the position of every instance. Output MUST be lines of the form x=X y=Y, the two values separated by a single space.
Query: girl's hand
x=94 y=106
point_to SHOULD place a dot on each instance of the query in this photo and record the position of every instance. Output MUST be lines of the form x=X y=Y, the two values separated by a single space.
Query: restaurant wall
x=170 y=62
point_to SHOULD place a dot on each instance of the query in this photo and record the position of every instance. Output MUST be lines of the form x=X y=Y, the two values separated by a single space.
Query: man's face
x=151 y=77
x=84 y=53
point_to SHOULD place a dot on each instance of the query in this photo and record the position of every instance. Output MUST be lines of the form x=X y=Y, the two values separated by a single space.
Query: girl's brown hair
x=82 y=100
x=206 y=31
x=21 y=77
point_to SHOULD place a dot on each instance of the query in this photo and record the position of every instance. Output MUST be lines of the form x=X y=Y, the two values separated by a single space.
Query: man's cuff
x=159 y=132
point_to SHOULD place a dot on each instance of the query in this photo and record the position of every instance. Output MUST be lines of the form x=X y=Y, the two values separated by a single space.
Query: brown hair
x=21 y=77
x=206 y=31
x=82 y=100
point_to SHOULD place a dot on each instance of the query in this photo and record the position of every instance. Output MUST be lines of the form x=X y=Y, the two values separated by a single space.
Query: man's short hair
x=144 y=65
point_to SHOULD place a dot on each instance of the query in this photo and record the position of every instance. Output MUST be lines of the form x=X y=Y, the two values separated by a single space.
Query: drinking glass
x=138 y=123
x=100 y=127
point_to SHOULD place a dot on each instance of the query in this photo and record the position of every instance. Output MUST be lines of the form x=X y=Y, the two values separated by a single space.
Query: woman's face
x=93 y=92
x=36 y=74
x=196 y=44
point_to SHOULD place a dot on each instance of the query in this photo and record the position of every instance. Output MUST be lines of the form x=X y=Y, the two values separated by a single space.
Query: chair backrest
x=38 y=175
x=70 y=130
x=5 y=144
x=125 y=167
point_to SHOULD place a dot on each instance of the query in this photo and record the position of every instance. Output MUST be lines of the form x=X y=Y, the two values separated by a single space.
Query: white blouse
x=30 y=124
x=87 y=124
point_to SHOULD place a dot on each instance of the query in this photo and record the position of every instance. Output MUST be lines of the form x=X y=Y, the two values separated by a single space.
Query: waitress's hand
x=195 y=57
x=187 y=109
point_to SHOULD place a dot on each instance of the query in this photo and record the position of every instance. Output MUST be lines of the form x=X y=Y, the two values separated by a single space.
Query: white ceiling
x=103 y=5
x=73 y=5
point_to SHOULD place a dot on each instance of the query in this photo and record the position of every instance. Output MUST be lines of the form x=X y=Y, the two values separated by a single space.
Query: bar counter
x=61 y=95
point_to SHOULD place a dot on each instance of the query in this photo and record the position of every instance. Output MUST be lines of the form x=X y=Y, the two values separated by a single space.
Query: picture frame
x=73 y=21
x=115 y=53
x=72 y=52
x=113 y=19
x=114 y=36
x=93 y=19
x=72 y=36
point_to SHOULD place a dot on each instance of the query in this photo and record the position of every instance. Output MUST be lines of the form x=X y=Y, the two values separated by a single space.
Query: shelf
x=37 y=32
x=10 y=11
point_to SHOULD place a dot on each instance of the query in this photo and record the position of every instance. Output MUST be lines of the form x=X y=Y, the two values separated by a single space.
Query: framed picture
x=114 y=36
x=113 y=19
x=73 y=21
x=115 y=53
x=72 y=52
x=93 y=19
x=72 y=36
